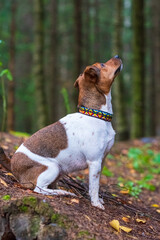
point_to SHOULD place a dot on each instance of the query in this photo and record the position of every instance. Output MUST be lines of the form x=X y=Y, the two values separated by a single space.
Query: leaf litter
x=138 y=218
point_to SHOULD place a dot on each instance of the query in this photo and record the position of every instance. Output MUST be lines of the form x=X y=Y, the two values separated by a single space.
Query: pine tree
x=137 y=123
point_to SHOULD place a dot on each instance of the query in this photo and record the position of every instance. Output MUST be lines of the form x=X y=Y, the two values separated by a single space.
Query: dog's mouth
x=119 y=69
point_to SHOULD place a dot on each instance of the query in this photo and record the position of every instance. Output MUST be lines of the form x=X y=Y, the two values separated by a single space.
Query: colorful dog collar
x=96 y=113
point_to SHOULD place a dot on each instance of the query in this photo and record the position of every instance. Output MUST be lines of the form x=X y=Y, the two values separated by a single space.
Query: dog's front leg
x=94 y=177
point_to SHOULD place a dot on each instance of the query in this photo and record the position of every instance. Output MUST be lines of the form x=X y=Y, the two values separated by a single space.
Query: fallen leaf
x=4 y=147
x=140 y=220
x=115 y=224
x=88 y=217
x=8 y=140
x=126 y=229
x=9 y=174
x=3 y=182
x=124 y=191
x=125 y=219
x=155 y=205
x=158 y=210
x=74 y=200
x=114 y=195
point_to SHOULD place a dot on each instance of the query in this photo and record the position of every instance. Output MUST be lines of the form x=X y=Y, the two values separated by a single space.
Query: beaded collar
x=96 y=113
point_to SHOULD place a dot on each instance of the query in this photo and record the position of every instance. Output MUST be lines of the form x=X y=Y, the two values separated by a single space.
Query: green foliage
x=110 y=156
x=144 y=159
x=19 y=134
x=66 y=99
x=4 y=74
x=6 y=197
x=7 y=73
x=106 y=172
x=135 y=188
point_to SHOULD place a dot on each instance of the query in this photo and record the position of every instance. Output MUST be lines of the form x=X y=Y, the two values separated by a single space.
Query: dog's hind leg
x=46 y=178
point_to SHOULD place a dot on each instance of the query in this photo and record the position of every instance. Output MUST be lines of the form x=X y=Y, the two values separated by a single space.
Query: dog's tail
x=4 y=160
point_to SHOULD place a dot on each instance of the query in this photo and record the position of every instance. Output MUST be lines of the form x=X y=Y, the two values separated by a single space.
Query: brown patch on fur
x=95 y=82
x=26 y=170
x=48 y=141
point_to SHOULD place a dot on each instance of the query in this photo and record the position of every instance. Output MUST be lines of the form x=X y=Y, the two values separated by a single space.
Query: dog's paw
x=98 y=204
x=101 y=200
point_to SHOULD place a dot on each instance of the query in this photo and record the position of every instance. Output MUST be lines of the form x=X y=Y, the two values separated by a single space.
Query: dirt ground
x=139 y=214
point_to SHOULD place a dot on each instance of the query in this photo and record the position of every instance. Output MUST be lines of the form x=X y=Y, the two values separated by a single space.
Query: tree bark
x=53 y=81
x=87 y=33
x=11 y=84
x=137 y=123
x=78 y=36
x=38 y=65
x=156 y=66
x=118 y=89
x=96 y=32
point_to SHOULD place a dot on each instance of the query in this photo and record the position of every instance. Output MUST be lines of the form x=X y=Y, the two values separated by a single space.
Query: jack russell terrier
x=75 y=142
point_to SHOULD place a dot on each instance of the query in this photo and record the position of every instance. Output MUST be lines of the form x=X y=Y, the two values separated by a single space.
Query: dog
x=77 y=141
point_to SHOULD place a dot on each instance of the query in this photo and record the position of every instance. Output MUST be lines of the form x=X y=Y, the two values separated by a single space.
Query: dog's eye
x=102 y=65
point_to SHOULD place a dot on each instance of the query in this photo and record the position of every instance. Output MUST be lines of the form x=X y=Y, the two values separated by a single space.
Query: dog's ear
x=76 y=84
x=92 y=74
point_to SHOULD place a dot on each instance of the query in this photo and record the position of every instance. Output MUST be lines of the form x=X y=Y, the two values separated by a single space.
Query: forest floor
x=130 y=187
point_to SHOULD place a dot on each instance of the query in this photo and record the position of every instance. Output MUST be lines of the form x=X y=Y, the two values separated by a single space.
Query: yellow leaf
x=87 y=217
x=9 y=174
x=155 y=205
x=124 y=191
x=114 y=195
x=74 y=200
x=4 y=147
x=115 y=224
x=158 y=210
x=140 y=220
x=3 y=182
x=125 y=219
x=126 y=229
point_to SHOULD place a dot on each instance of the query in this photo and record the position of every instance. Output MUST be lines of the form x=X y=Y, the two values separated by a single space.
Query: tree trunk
x=87 y=33
x=156 y=66
x=54 y=90
x=78 y=42
x=96 y=32
x=11 y=84
x=38 y=66
x=78 y=36
x=137 y=123
x=118 y=90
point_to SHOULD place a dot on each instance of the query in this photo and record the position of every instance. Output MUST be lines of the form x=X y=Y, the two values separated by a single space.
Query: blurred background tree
x=47 y=43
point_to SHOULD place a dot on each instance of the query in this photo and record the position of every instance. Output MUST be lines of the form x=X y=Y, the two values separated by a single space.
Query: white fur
x=89 y=141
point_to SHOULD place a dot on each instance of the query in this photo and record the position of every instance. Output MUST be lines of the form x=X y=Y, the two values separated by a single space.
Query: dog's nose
x=116 y=56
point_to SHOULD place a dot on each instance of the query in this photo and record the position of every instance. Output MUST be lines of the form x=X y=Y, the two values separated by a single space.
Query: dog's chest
x=88 y=137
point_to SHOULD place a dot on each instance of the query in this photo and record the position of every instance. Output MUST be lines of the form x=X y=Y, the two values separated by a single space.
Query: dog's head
x=97 y=80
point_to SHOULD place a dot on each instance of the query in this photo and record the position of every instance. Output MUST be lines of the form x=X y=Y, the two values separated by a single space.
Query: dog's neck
x=92 y=98
x=96 y=100
x=107 y=107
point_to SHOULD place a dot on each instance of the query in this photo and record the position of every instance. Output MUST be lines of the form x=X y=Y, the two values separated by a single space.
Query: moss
x=43 y=208
x=83 y=233
x=54 y=217
x=30 y=201
x=23 y=208
x=60 y=220
x=35 y=225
